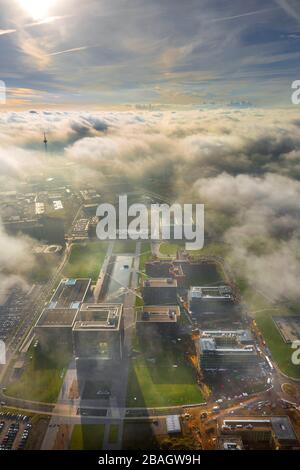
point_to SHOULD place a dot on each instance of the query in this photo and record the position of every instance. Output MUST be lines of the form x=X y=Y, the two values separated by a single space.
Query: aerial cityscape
x=149 y=227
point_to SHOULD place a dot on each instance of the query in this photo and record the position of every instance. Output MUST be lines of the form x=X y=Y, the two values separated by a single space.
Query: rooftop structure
x=219 y=293
x=173 y=424
x=205 y=301
x=160 y=282
x=226 y=350
x=277 y=430
x=98 y=317
x=160 y=291
x=69 y=294
x=54 y=317
x=242 y=336
x=98 y=334
x=162 y=268
x=57 y=319
x=158 y=314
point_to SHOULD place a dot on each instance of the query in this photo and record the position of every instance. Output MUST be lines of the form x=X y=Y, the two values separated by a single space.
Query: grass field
x=145 y=254
x=169 y=249
x=113 y=433
x=86 y=260
x=124 y=246
x=209 y=249
x=263 y=310
x=87 y=437
x=159 y=383
x=41 y=379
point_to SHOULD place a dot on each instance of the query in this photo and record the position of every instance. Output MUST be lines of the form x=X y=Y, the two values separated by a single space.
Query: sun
x=37 y=9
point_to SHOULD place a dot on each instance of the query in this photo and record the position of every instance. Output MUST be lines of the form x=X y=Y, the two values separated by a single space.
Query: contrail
x=68 y=51
x=49 y=20
x=285 y=5
x=7 y=31
x=250 y=13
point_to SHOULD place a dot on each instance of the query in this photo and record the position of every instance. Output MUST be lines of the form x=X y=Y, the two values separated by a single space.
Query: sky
x=216 y=74
x=162 y=52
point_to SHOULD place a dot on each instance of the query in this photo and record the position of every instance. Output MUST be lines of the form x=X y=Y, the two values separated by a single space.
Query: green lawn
x=281 y=351
x=160 y=383
x=124 y=246
x=113 y=433
x=263 y=311
x=87 y=437
x=139 y=302
x=209 y=249
x=169 y=249
x=145 y=254
x=86 y=260
x=41 y=379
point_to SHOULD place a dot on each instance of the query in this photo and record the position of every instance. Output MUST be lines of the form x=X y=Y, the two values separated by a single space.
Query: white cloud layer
x=243 y=164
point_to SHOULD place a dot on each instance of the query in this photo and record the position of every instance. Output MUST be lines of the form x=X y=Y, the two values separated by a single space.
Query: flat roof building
x=219 y=293
x=158 y=314
x=158 y=318
x=70 y=293
x=165 y=269
x=56 y=321
x=227 y=336
x=173 y=424
x=98 y=332
x=276 y=432
x=224 y=350
x=160 y=291
x=209 y=300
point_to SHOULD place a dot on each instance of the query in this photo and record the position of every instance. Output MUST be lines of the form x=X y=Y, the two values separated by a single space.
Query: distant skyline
x=164 y=52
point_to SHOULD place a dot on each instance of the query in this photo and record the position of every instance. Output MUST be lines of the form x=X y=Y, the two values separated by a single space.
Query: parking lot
x=14 y=431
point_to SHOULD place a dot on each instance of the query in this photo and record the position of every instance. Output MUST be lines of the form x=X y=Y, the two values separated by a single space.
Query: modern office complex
x=256 y=432
x=160 y=291
x=98 y=333
x=209 y=300
x=166 y=269
x=54 y=326
x=158 y=319
x=224 y=350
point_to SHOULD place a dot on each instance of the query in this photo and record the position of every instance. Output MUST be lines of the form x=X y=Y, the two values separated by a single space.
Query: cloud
x=264 y=229
x=244 y=164
x=15 y=260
